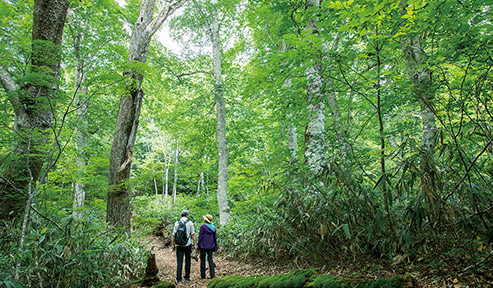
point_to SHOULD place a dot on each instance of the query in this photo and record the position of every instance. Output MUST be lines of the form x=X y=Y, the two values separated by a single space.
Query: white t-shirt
x=190 y=230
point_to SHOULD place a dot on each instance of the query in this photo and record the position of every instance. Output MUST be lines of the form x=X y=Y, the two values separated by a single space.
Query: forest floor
x=227 y=265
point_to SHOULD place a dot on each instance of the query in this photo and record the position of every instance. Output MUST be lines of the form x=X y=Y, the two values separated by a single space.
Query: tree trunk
x=315 y=129
x=340 y=129
x=166 y=165
x=150 y=152
x=33 y=105
x=421 y=77
x=222 y=147
x=118 y=210
x=292 y=135
x=82 y=123
x=175 y=179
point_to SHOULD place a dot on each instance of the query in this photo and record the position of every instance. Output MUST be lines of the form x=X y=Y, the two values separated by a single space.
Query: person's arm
x=194 y=242
x=173 y=235
x=192 y=234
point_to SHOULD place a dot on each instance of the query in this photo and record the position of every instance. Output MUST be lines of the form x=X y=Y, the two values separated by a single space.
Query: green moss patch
x=236 y=282
x=327 y=281
x=303 y=279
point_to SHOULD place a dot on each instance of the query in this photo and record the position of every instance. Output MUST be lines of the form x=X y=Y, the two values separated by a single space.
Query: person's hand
x=174 y=247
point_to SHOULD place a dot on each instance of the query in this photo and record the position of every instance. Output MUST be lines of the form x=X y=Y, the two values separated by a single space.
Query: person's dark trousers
x=180 y=252
x=203 y=253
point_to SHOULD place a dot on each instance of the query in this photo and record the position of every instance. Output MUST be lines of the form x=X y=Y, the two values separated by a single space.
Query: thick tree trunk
x=421 y=77
x=222 y=147
x=33 y=105
x=315 y=129
x=119 y=209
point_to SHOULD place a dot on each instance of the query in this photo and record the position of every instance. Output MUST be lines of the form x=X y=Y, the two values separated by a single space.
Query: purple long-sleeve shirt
x=207 y=237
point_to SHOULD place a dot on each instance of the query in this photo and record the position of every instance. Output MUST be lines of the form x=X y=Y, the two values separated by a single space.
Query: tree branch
x=7 y=82
x=167 y=10
x=179 y=76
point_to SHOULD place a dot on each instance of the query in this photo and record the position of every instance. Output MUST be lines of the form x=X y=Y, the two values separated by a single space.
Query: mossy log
x=308 y=279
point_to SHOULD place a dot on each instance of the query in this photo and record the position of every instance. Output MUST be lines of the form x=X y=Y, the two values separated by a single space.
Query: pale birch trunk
x=118 y=206
x=175 y=179
x=421 y=77
x=222 y=174
x=292 y=135
x=292 y=139
x=33 y=105
x=82 y=123
x=149 y=152
x=166 y=176
x=200 y=184
x=315 y=129
x=207 y=176
x=167 y=160
x=155 y=188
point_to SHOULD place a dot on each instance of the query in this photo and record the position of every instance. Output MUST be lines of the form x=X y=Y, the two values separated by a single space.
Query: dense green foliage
x=374 y=197
x=69 y=252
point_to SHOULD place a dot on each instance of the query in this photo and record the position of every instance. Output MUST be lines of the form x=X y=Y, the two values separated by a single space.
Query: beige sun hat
x=207 y=218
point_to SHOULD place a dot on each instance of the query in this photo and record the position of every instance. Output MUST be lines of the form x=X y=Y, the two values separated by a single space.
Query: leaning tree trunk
x=33 y=105
x=118 y=206
x=315 y=129
x=421 y=77
x=222 y=147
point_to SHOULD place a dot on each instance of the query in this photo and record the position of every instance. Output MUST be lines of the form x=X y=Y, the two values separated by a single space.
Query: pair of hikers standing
x=184 y=241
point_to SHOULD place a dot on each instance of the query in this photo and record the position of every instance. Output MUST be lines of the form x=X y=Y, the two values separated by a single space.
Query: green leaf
x=345 y=227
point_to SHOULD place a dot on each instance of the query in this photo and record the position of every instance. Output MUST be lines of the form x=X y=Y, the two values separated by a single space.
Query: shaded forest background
x=317 y=133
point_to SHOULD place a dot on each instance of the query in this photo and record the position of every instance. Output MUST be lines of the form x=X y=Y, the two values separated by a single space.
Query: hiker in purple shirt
x=207 y=245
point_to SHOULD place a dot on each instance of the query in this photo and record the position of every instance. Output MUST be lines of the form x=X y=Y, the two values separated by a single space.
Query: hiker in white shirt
x=183 y=249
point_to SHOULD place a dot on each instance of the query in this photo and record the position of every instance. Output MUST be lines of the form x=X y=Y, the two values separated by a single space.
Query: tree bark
x=167 y=160
x=315 y=129
x=175 y=179
x=118 y=206
x=82 y=122
x=33 y=105
x=222 y=147
x=421 y=77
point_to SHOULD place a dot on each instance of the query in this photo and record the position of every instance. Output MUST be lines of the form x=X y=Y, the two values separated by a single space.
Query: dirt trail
x=225 y=265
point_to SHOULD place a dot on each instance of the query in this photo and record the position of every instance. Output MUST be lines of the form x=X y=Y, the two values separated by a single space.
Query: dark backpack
x=181 y=237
